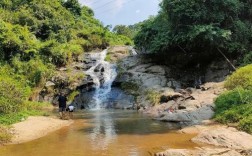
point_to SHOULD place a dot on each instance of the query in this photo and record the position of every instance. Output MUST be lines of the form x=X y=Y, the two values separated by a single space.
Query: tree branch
x=227 y=59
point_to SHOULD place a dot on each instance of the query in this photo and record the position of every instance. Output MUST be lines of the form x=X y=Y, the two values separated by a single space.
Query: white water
x=109 y=75
x=133 y=51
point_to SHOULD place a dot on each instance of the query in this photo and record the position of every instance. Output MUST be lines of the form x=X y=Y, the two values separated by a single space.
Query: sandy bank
x=36 y=127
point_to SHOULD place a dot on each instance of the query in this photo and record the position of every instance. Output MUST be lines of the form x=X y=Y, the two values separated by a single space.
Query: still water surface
x=105 y=133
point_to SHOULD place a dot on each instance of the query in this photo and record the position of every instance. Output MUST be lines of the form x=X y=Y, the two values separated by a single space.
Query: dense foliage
x=235 y=105
x=36 y=37
x=241 y=78
x=200 y=29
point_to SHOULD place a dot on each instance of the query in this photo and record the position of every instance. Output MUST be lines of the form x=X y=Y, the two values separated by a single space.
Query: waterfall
x=103 y=74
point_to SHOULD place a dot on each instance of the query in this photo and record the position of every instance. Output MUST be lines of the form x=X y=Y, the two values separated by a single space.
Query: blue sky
x=124 y=12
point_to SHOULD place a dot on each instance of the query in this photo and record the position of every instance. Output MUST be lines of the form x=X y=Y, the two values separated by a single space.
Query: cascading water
x=103 y=74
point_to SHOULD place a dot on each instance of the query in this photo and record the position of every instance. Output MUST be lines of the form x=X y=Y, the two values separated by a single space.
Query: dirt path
x=36 y=127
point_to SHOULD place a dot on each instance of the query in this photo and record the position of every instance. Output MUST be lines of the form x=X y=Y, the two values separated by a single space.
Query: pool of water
x=105 y=133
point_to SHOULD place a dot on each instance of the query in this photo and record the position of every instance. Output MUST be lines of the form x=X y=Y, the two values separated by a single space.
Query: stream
x=105 y=132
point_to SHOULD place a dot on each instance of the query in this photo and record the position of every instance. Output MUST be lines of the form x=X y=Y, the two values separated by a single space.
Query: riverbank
x=35 y=127
x=216 y=139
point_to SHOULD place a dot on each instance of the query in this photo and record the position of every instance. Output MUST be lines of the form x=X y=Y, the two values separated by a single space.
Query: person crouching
x=70 y=110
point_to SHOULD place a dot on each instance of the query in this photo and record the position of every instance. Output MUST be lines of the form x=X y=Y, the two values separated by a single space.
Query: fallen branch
x=227 y=59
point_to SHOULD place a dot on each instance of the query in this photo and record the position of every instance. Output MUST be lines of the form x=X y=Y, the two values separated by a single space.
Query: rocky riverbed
x=185 y=97
x=168 y=94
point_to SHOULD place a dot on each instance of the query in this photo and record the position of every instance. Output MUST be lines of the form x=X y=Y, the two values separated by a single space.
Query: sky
x=125 y=12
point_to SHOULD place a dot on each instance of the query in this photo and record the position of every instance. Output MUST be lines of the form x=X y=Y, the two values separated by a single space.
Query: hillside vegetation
x=37 y=37
x=235 y=105
x=196 y=31
x=192 y=33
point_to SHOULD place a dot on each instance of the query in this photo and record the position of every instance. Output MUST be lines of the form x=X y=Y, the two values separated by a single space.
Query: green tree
x=199 y=29
x=74 y=6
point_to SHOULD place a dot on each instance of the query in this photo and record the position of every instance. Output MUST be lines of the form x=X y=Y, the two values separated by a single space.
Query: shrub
x=247 y=58
x=12 y=91
x=232 y=98
x=246 y=123
x=28 y=109
x=153 y=96
x=241 y=78
x=34 y=70
x=73 y=95
x=108 y=57
x=5 y=135
x=242 y=115
x=130 y=87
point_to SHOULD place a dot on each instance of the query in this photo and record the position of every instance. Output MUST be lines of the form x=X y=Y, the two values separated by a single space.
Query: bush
x=235 y=106
x=73 y=95
x=247 y=58
x=130 y=87
x=241 y=78
x=28 y=109
x=246 y=123
x=153 y=96
x=242 y=115
x=34 y=70
x=13 y=91
x=232 y=98
x=5 y=135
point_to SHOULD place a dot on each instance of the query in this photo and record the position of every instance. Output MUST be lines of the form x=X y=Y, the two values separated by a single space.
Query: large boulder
x=193 y=116
x=225 y=137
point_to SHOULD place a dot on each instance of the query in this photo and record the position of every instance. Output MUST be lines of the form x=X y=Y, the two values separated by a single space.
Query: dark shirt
x=62 y=101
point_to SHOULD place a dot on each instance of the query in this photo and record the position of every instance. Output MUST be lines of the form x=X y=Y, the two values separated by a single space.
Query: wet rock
x=79 y=66
x=98 y=68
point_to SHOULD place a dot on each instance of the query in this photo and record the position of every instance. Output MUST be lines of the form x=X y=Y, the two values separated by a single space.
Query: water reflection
x=103 y=133
x=106 y=126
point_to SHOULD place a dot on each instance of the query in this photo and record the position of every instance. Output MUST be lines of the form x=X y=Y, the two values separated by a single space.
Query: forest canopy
x=37 y=36
x=199 y=29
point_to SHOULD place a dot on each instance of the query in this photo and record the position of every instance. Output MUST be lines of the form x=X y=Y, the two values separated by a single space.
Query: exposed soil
x=35 y=127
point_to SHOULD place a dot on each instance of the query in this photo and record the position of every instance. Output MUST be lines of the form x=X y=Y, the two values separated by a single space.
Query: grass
x=108 y=57
x=29 y=109
x=240 y=115
x=153 y=96
x=235 y=107
x=5 y=135
x=240 y=78
x=130 y=87
x=73 y=95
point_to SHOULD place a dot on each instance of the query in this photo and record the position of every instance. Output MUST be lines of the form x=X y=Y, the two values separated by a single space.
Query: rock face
x=178 y=96
x=146 y=75
x=225 y=137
